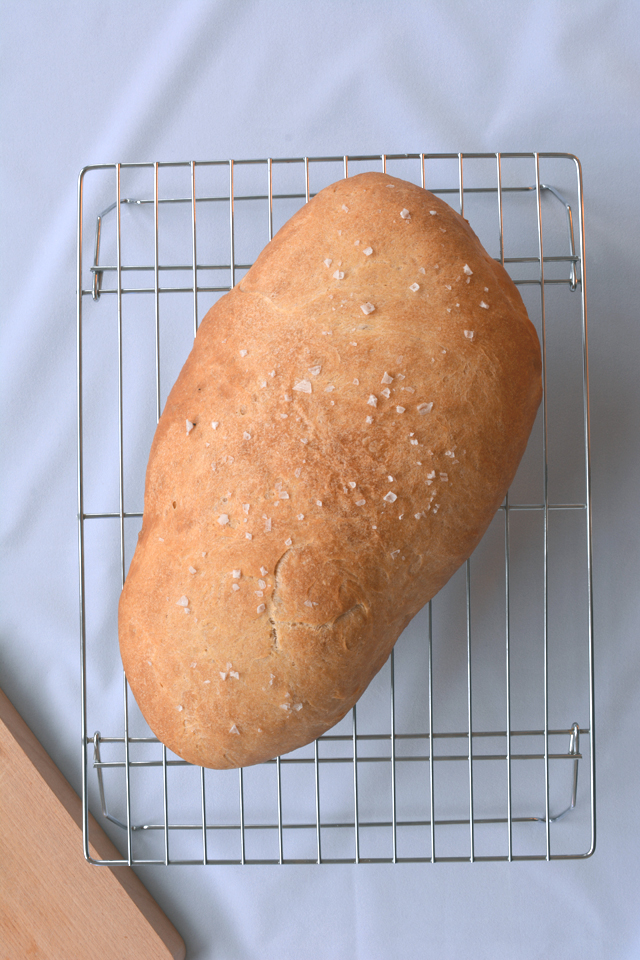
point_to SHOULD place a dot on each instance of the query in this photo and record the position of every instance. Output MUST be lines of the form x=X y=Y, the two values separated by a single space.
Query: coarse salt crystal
x=161 y=539
x=182 y=602
x=485 y=306
x=425 y=408
x=329 y=389
x=243 y=353
x=400 y=409
x=386 y=392
x=449 y=453
x=467 y=269
x=415 y=287
x=319 y=503
x=223 y=519
x=338 y=275
x=368 y=251
x=190 y=427
x=192 y=570
x=369 y=419
x=246 y=436
x=404 y=213
x=486 y=289
x=235 y=586
x=352 y=484
x=233 y=729
x=421 y=270
x=390 y=479
x=304 y=386
x=263 y=384
x=345 y=208
x=267 y=523
x=245 y=507
x=360 y=503
x=260 y=608
x=301 y=516
x=356 y=382
x=236 y=574
x=372 y=401
x=433 y=212
x=264 y=571
x=394 y=554
x=414 y=443
x=390 y=497
x=444 y=477
x=303 y=440
x=468 y=334
x=179 y=707
x=386 y=378
x=272 y=373
x=283 y=495
x=297 y=706
x=367 y=308
x=328 y=262
x=234 y=674
x=288 y=542
x=314 y=371
x=248 y=536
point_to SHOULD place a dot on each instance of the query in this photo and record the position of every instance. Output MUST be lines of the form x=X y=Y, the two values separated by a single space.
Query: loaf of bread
x=344 y=429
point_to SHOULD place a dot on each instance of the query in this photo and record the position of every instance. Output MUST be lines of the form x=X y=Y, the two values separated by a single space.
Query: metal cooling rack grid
x=373 y=789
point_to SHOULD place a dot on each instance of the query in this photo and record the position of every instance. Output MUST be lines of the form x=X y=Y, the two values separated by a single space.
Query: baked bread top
x=344 y=429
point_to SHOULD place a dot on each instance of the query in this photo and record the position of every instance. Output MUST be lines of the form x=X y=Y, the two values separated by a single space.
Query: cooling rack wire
x=468 y=745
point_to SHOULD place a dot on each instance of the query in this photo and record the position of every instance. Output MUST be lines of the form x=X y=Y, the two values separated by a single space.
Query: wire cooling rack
x=468 y=744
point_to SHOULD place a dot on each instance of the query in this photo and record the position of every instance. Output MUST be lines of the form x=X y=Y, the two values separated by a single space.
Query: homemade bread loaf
x=348 y=422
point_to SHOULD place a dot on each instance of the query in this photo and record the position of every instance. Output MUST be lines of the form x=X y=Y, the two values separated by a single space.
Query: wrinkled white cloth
x=95 y=83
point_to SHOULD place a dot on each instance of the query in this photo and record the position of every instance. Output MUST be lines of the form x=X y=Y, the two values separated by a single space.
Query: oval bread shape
x=351 y=440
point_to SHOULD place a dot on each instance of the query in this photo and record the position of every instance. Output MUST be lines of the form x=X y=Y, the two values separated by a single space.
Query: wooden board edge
x=101 y=846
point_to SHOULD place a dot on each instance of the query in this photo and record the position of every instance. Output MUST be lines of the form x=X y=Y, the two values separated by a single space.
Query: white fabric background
x=158 y=79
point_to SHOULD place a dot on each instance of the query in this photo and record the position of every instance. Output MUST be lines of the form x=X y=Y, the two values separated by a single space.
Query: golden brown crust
x=364 y=454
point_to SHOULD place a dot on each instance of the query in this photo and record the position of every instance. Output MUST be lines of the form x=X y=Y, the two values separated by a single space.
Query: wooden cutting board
x=53 y=904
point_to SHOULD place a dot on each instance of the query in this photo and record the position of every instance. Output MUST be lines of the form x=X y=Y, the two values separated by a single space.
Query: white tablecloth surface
x=89 y=83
